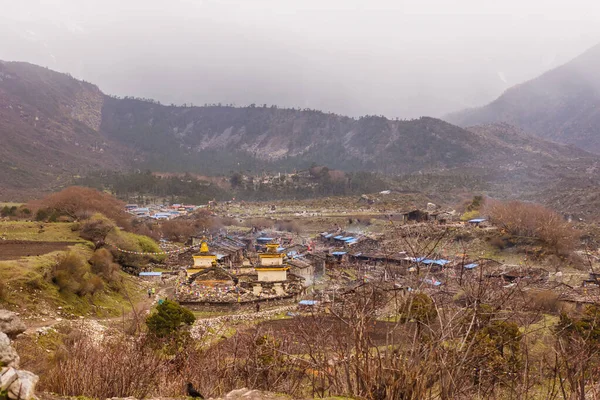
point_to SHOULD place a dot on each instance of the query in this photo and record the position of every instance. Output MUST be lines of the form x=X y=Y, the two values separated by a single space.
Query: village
x=235 y=269
x=283 y=281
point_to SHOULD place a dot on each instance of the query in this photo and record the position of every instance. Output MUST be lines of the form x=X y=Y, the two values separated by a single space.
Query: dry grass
x=38 y=231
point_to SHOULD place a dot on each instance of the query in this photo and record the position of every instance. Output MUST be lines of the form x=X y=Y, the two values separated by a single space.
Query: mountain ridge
x=55 y=128
x=562 y=104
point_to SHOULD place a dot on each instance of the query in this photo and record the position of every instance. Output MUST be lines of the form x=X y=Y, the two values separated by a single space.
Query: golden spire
x=204 y=247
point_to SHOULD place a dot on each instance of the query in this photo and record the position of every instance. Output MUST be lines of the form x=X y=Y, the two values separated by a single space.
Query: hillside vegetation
x=70 y=256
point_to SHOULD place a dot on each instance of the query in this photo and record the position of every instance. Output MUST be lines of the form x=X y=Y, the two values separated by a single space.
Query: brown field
x=15 y=249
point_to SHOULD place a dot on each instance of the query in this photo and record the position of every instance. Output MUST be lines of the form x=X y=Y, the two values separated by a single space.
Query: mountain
x=49 y=128
x=54 y=128
x=220 y=137
x=561 y=105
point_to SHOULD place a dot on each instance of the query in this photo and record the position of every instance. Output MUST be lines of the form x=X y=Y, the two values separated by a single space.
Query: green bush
x=169 y=319
x=41 y=214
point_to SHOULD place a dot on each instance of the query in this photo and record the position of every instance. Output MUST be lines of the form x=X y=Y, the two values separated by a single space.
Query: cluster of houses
x=272 y=265
x=230 y=270
x=160 y=211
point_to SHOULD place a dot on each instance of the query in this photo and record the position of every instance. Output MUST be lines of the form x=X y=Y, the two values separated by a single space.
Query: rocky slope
x=562 y=105
x=55 y=127
x=49 y=128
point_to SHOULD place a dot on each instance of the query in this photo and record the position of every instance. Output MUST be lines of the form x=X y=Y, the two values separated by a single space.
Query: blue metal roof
x=328 y=235
x=338 y=237
x=477 y=220
x=351 y=241
x=150 y=273
x=338 y=253
x=308 y=302
x=264 y=239
x=471 y=266
x=345 y=239
x=438 y=262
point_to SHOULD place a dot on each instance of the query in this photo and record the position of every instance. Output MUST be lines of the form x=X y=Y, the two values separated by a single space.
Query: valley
x=218 y=251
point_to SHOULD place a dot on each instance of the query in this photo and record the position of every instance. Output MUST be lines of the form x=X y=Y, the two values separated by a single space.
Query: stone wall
x=15 y=384
x=241 y=306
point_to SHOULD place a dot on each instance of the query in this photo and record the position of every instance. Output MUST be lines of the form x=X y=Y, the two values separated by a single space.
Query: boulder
x=23 y=388
x=8 y=355
x=7 y=376
x=11 y=324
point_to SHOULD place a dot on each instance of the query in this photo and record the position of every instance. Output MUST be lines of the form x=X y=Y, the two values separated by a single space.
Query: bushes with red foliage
x=79 y=203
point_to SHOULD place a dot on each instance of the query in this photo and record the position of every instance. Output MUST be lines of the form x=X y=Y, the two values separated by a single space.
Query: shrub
x=3 y=291
x=470 y=215
x=103 y=265
x=78 y=202
x=418 y=307
x=536 y=221
x=497 y=243
x=178 y=230
x=117 y=367
x=545 y=300
x=169 y=319
x=136 y=243
x=42 y=214
x=7 y=211
x=70 y=274
x=96 y=229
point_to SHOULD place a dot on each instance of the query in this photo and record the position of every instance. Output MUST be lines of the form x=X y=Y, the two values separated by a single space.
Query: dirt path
x=139 y=310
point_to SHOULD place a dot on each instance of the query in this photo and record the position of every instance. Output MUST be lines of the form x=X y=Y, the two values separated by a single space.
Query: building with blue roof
x=476 y=221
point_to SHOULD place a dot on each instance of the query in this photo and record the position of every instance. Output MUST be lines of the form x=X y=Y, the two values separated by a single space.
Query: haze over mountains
x=396 y=58
x=562 y=104
x=55 y=127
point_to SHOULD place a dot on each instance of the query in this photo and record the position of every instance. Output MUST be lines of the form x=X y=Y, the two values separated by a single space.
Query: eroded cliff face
x=15 y=384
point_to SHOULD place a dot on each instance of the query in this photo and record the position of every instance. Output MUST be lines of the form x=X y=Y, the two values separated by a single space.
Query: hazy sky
x=397 y=58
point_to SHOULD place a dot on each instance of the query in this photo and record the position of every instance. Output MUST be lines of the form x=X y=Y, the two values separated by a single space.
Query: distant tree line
x=321 y=182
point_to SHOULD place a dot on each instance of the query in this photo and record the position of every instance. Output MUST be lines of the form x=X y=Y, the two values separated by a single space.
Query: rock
x=7 y=376
x=246 y=394
x=23 y=388
x=11 y=324
x=18 y=385
x=8 y=355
